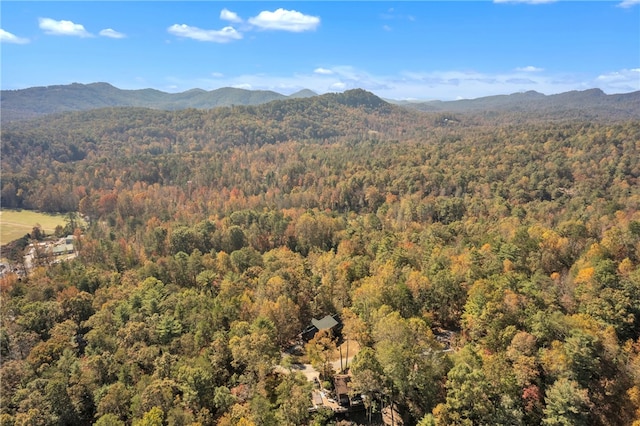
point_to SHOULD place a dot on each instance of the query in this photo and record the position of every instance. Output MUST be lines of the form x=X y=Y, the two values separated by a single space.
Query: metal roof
x=326 y=323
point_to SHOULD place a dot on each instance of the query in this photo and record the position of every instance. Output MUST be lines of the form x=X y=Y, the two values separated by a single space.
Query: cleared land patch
x=15 y=223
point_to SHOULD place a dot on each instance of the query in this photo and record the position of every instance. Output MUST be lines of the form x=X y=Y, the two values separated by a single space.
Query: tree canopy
x=489 y=269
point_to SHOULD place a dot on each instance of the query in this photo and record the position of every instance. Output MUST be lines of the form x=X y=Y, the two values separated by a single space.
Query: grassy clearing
x=15 y=223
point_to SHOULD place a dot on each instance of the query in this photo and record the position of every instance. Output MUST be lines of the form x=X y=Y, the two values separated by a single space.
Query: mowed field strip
x=15 y=223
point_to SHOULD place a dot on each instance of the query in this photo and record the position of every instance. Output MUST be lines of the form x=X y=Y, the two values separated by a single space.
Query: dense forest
x=214 y=237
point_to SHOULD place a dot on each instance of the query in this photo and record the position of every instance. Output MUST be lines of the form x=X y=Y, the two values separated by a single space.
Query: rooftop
x=326 y=323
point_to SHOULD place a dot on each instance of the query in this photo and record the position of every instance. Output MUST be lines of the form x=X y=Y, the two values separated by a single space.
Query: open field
x=15 y=223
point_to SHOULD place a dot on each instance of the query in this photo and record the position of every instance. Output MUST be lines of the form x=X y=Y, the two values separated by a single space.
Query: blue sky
x=400 y=50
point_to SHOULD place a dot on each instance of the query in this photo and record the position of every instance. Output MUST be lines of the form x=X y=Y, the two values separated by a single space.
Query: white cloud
x=525 y=1
x=245 y=86
x=628 y=3
x=285 y=20
x=224 y=35
x=324 y=71
x=111 y=33
x=625 y=80
x=530 y=68
x=53 y=27
x=217 y=75
x=622 y=75
x=7 y=37
x=449 y=85
x=515 y=80
x=386 y=28
x=227 y=15
x=391 y=15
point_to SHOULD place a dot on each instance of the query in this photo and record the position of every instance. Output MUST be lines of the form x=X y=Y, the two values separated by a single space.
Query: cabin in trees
x=345 y=397
x=341 y=385
x=329 y=322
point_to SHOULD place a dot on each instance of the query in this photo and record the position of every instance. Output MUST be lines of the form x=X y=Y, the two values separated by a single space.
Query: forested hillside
x=37 y=101
x=215 y=237
x=40 y=101
x=587 y=104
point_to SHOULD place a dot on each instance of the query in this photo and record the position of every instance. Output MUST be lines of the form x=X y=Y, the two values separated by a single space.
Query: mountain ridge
x=41 y=100
x=32 y=102
x=521 y=101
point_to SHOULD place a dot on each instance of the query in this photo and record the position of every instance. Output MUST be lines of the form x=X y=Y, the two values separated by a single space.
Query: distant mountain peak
x=533 y=94
x=360 y=97
x=101 y=84
x=196 y=90
x=304 y=93
x=581 y=94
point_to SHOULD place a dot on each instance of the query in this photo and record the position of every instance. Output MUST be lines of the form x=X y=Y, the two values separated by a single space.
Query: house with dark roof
x=341 y=386
x=329 y=322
